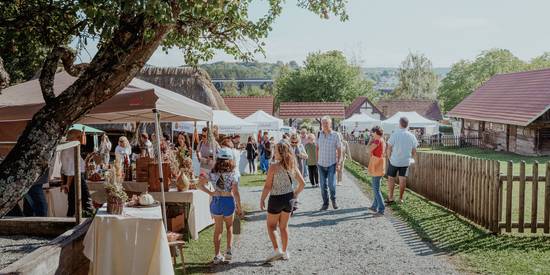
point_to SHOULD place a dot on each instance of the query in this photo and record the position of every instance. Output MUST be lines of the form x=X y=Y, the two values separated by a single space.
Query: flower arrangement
x=116 y=196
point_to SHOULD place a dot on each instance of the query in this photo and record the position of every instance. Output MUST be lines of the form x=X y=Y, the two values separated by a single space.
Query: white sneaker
x=228 y=255
x=218 y=259
x=275 y=256
x=286 y=256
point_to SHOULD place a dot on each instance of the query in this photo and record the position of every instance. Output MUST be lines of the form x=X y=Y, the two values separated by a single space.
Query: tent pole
x=159 y=160
x=193 y=139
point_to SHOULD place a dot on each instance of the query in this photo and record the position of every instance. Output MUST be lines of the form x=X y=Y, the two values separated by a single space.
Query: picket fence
x=479 y=191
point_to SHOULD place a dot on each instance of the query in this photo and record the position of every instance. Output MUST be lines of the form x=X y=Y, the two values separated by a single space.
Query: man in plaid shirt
x=329 y=152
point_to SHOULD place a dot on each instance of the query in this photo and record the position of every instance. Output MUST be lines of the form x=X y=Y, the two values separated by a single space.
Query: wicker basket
x=115 y=205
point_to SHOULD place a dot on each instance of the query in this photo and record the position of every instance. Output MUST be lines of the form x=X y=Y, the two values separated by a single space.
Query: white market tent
x=227 y=123
x=265 y=121
x=134 y=103
x=430 y=127
x=140 y=101
x=361 y=122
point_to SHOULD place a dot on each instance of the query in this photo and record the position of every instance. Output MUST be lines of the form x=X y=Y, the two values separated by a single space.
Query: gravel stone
x=349 y=240
x=13 y=248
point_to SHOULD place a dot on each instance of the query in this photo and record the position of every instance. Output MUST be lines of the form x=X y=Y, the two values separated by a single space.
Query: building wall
x=494 y=136
x=366 y=108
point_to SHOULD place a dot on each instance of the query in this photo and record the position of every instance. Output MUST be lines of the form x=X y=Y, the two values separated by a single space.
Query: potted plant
x=116 y=196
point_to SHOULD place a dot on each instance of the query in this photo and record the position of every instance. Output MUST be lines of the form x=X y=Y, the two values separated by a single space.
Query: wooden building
x=362 y=105
x=510 y=112
x=424 y=107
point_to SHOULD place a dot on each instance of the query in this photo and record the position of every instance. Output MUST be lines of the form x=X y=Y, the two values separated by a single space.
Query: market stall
x=416 y=121
x=360 y=122
x=138 y=102
x=227 y=124
x=265 y=121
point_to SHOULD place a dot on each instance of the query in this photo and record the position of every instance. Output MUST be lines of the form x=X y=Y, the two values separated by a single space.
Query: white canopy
x=361 y=122
x=415 y=121
x=265 y=121
x=227 y=123
x=134 y=103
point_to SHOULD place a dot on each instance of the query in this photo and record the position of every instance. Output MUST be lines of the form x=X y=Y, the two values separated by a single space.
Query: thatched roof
x=194 y=83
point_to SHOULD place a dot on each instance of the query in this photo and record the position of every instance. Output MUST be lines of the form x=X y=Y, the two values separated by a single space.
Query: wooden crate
x=154 y=183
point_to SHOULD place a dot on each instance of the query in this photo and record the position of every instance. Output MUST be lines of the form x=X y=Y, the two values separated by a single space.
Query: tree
x=465 y=76
x=540 y=62
x=326 y=77
x=417 y=79
x=230 y=88
x=128 y=33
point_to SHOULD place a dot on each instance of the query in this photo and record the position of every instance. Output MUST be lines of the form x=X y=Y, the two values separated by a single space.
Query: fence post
x=521 y=210
x=509 y=188
x=534 y=197
x=547 y=200
x=495 y=198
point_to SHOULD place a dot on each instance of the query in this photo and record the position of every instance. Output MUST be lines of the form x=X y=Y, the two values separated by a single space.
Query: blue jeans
x=305 y=172
x=35 y=202
x=327 y=178
x=378 y=202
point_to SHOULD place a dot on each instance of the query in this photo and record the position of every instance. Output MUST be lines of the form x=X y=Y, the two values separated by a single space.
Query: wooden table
x=132 y=243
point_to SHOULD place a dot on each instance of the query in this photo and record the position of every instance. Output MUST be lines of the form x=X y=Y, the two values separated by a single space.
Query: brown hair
x=287 y=161
x=227 y=142
x=223 y=166
x=378 y=130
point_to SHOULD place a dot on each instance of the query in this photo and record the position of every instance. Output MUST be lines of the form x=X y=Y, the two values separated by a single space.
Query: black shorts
x=279 y=203
x=394 y=171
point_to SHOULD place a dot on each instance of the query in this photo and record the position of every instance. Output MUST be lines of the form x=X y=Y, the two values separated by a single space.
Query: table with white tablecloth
x=132 y=243
x=197 y=211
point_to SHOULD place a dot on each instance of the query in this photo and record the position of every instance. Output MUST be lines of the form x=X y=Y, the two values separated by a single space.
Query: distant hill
x=383 y=77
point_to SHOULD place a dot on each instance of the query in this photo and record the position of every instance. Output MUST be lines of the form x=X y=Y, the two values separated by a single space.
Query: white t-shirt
x=402 y=142
x=67 y=162
x=237 y=160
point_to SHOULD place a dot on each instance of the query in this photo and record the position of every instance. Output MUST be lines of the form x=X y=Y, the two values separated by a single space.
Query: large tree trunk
x=112 y=68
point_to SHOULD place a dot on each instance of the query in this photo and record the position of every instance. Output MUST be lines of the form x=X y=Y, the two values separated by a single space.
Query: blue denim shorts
x=222 y=206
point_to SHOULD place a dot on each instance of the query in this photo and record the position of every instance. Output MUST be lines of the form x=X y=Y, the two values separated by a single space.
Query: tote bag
x=377 y=165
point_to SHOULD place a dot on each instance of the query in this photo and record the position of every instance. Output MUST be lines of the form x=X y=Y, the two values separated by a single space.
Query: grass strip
x=472 y=249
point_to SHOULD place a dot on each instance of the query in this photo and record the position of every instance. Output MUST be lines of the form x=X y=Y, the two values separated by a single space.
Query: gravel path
x=12 y=248
x=349 y=240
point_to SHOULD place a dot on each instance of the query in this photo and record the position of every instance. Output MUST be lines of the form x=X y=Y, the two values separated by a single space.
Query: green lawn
x=199 y=253
x=252 y=180
x=473 y=250
x=503 y=158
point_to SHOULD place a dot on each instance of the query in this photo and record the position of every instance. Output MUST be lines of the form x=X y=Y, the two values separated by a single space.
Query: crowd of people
x=287 y=164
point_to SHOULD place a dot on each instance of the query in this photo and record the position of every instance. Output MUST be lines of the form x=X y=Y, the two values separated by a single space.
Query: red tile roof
x=243 y=106
x=355 y=106
x=424 y=107
x=514 y=98
x=311 y=109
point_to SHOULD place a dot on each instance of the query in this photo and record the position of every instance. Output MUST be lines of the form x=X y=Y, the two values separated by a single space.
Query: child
x=225 y=198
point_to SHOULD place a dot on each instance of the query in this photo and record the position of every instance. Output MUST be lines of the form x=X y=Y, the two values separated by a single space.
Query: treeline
x=246 y=70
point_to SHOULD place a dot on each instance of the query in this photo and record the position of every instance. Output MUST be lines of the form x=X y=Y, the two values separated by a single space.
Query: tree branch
x=50 y=67
x=4 y=76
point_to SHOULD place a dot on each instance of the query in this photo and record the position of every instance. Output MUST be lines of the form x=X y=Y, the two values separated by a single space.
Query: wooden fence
x=479 y=191
x=466 y=185
x=436 y=141
x=517 y=217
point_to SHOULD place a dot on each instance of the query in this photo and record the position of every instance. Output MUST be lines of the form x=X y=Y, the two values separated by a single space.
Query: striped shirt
x=328 y=144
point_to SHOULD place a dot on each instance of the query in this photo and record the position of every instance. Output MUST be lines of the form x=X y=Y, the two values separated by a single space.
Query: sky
x=380 y=33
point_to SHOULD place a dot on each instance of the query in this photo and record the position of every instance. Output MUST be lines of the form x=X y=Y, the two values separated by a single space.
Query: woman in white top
x=123 y=149
x=280 y=186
